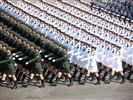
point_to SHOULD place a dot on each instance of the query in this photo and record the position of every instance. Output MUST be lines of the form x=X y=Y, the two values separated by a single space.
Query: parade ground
x=89 y=91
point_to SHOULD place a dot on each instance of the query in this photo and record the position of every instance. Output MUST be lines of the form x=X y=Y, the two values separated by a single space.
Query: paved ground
x=89 y=91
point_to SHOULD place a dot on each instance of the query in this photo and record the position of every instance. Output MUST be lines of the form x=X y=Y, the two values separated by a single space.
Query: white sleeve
x=86 y=58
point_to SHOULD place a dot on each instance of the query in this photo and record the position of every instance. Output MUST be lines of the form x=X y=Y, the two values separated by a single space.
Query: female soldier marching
x=10 y=68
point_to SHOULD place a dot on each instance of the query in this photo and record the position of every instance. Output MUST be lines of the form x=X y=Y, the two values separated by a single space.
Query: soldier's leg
x=76 y=71
x=57 y=79
x=3 y=79
x=18 y=70
x=125 y=67
x=92 y=76
x=29 y=80
x=10 y=80
x=101 y=67
x=105 y=74
x=49 y=72
x=42 y=81
x=66 y=78
x=37 y=77
x=53 y=75
x=111 y=76
x=15 y=82
x=123 y=78
x=98 y=79
x=70 y=79
x=45 y=68
x=25 y=74
x=87 y=74
x=81 y=74
x=130 y=73
x=21 y=73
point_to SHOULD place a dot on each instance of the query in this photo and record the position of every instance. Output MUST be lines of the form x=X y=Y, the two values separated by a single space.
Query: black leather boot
x=44 y=71
x=26 y=84
x=110 y=78
x=98 y=81
x=10 y=81
x=124 y=70
x=100 y=71
x=92 y=77
x=17 y=72
x=19 y=76
x=51 y=80
x=70 y=82
x=23 y=78
x=118 y=76
x=105 y=74
x=42 y=83
x=80 y=76
x=66 y=79
x=123 y=80
x=82 y=82
x=56 y=82
x=37 y=80
x=49 y=72
x=15 y=85
x=129 y=75
x=75 y=73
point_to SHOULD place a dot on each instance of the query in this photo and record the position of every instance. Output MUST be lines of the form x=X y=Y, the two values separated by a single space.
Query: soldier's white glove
x=26 y=63
x=45 y=56
x=81 y=59
x=13 y=58
x=40 y=51
x=15 y=64
x=49 y=58
x=53 y=60
x=42 y=60
x=20 y=59
x=16 y=56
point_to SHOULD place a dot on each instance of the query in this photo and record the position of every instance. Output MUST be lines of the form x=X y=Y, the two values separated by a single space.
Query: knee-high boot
x=124 y=70
x=75 y=73
x=80 y=76
x=66 y=79
x=70 y=82
x=15 y=85
x=42 y=83
x=129 y=75
x=110 y=78
x=105 y=74
x=92 y=77
x=23 y=78
x=56 y=81
x=51 y=80
x=123 y=80
x=19 y=76
x=98 y=81
x=26 y=85
x=100 y=71
x=44 y=71
x=49 y=72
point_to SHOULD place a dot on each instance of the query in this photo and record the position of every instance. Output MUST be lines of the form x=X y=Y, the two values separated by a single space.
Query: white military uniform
x=117 y=61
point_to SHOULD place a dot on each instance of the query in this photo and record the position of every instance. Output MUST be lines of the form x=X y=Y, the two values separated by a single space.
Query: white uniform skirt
x=93 y=65
x=98 y=57
x=84 y=64
x=117 y=65
x=129 y=60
